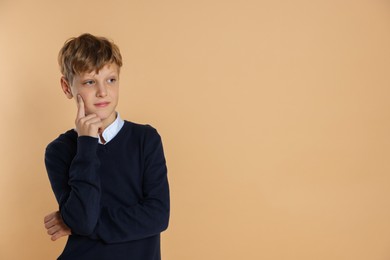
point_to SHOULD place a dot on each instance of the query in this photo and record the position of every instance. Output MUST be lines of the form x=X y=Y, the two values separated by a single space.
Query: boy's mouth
x=102 y=104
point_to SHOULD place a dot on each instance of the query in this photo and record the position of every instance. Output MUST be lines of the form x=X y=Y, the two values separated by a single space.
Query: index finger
x=80 y=107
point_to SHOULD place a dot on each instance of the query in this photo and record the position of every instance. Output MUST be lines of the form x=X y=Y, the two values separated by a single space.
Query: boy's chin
x=105 y=117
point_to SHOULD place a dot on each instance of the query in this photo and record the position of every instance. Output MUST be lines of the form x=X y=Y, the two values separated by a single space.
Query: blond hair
x=87 y=53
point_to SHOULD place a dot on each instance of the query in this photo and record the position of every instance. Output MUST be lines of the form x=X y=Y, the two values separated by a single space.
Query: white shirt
x=112 y=130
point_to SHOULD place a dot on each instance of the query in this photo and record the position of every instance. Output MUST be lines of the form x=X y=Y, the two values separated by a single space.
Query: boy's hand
x=55 y=226
x=86 y=125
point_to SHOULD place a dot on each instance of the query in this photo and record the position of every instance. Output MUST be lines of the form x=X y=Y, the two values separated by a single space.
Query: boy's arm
x=74 y=180
x=150 y=216
x=75 y=183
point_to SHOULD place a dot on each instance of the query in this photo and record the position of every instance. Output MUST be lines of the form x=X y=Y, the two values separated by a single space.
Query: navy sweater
x=114 y=197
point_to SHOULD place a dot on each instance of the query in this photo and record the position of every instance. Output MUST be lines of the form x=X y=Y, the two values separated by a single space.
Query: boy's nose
x=101 y=90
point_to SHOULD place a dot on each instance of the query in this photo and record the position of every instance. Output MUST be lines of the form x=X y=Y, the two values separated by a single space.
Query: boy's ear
x=66 y=88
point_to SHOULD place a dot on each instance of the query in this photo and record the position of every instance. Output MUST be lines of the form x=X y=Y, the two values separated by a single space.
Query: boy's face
x=99 y=92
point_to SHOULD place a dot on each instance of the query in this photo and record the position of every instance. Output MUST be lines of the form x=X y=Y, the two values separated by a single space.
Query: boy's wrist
x=86 y=144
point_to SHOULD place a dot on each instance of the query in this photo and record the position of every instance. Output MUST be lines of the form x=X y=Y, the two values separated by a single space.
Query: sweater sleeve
x=75 y=183
x=150 y=216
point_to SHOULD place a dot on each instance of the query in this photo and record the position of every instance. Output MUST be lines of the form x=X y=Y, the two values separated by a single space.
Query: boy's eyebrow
x=92 y=74
x=114 y=73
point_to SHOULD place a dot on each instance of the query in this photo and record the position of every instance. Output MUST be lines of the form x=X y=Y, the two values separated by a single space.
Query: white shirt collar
x=112 y=130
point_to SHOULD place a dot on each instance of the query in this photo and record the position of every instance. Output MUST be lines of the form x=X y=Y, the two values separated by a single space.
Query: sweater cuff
x=87 y=145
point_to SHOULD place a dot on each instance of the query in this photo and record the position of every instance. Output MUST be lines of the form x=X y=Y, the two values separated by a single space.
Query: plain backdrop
x=274 y=117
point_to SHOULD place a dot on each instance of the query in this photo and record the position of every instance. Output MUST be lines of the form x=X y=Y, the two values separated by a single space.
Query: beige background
x=274 y=117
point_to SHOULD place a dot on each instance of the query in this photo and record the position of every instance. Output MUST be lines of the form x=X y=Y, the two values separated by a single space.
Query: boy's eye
x=112 y=80
x=88 y=82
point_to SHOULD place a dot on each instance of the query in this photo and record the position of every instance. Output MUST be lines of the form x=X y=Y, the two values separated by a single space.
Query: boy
x=108 y=175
